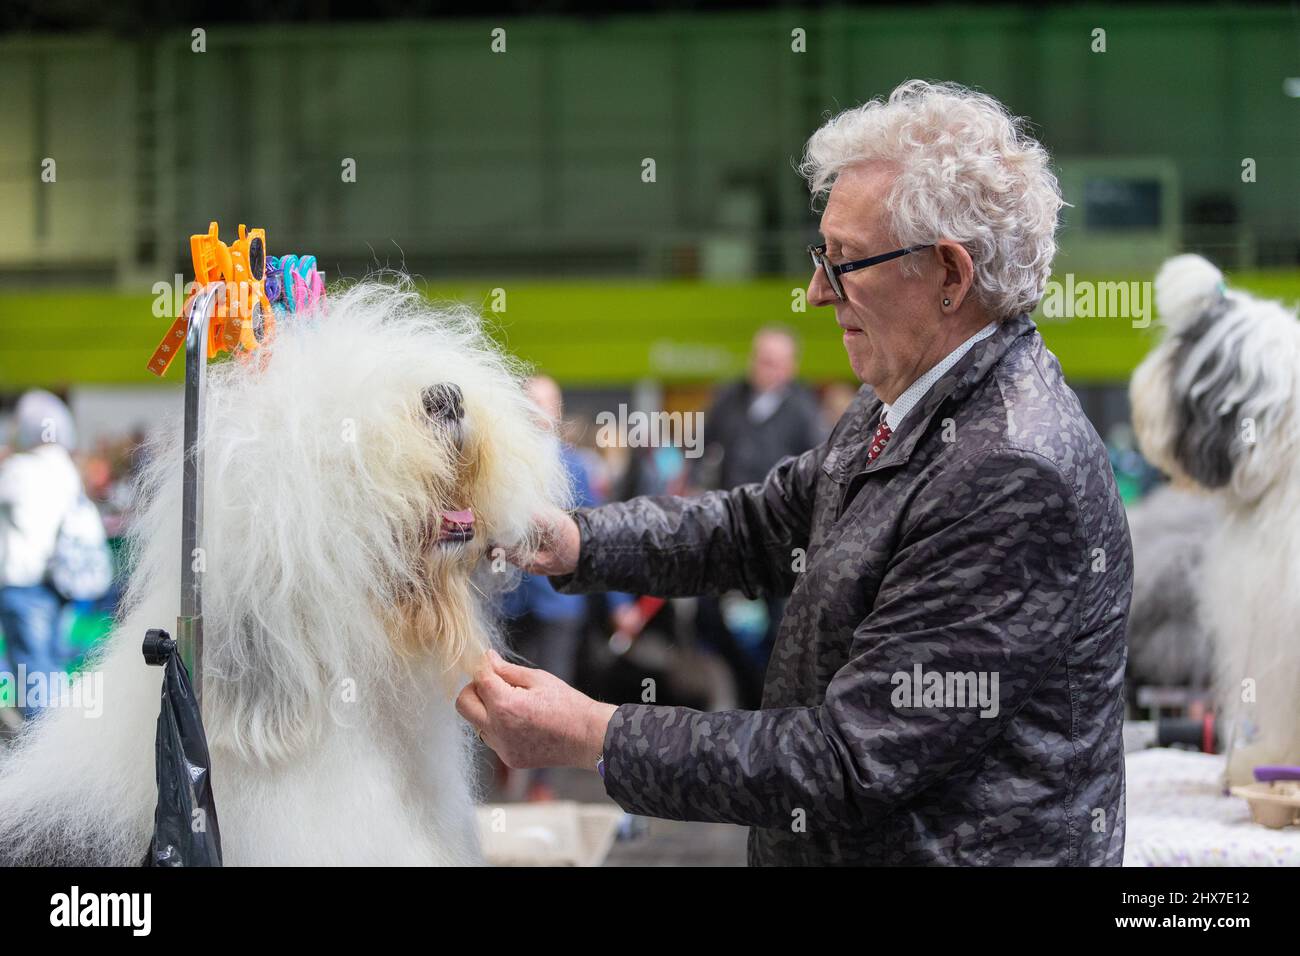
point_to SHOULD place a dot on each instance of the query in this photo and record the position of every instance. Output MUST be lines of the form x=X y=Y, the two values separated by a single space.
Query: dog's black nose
x=444 y=402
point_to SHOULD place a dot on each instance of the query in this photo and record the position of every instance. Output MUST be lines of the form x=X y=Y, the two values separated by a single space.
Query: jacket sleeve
x=721 y=540
x=983 y=580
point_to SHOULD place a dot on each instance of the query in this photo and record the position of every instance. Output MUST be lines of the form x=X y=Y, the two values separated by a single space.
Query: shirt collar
x=764 y=405
x=895 y=413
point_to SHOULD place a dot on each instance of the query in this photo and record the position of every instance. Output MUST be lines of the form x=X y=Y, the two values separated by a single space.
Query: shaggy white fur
x=337 y=626
x=1217 y=403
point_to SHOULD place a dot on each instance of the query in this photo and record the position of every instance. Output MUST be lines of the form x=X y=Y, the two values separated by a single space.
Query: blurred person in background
x=757 y=421
x=651 y=470
x=39 y=488
x=110 y=472
x=752 y=425
x=835 y=401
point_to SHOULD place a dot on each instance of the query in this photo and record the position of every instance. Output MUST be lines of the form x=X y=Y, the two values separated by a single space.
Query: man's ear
x=958 y=274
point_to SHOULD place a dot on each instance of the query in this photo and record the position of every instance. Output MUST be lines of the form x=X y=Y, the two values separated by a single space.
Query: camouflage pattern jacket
x=987 y=543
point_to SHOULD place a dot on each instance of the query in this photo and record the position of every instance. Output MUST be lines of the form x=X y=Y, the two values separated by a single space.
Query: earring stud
x=947 y=302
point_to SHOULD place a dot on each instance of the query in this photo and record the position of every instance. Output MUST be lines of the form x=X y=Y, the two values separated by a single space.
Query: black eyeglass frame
x=833 y=271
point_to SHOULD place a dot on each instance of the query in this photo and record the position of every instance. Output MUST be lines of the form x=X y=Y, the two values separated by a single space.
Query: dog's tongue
x=457 y=525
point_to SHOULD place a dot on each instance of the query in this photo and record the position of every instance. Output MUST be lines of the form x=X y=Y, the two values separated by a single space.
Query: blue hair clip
x=288 y=264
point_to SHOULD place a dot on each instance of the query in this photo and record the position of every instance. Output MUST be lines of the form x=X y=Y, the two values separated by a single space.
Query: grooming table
x=1178 y=815
x=558 y=833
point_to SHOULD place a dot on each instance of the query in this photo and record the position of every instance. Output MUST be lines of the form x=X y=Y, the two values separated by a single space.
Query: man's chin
x=859 y=356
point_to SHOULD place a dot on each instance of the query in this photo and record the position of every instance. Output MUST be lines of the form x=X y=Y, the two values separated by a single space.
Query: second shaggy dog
x=1215 y=403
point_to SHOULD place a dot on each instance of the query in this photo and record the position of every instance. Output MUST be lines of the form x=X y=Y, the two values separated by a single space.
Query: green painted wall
x=479 y=169
x=583 y=333
x=532 y=157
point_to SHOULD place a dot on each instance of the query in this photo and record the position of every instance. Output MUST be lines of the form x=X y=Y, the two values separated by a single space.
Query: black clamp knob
x=159 y=646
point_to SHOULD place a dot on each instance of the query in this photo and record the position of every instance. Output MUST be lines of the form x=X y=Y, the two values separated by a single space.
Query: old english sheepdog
x=1215 y=405
x=355 y=478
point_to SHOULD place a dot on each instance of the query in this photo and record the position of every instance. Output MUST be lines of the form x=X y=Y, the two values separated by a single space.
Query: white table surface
x=1178 y=815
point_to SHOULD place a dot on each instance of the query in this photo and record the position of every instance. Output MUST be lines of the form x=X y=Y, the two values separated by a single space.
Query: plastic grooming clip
x=252 y=289
x=299 y=284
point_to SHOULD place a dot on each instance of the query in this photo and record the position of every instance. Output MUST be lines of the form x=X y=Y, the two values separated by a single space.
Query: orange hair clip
x=244 y=319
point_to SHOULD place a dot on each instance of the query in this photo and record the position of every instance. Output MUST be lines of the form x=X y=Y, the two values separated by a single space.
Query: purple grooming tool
x=1272 y=774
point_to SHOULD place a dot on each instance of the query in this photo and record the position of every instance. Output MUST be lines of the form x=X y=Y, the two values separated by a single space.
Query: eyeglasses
x=833 y=272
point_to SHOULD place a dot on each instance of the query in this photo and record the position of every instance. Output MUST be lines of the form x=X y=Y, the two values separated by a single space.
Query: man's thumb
x=513 y=674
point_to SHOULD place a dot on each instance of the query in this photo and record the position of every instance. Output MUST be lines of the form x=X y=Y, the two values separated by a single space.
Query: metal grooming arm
x=189 y=625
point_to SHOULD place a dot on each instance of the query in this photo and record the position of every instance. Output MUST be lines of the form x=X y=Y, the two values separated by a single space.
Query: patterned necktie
x=879 y=440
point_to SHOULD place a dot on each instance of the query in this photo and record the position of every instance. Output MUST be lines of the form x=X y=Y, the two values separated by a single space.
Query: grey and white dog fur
x=1215 y=405
x=1169 y=641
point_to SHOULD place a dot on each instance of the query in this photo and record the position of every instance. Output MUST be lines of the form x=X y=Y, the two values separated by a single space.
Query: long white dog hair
x=337 y=625
x=1217 y=404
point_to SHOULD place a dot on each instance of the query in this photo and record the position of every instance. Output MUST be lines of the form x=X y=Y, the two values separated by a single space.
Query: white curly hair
x=968 y=171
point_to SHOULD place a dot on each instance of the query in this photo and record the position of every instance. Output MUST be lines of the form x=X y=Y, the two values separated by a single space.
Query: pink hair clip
x=307 y=291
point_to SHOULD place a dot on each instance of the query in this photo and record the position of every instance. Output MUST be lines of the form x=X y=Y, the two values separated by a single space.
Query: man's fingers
x=470 y=706
x=551 y=528
x=534 y=561
x=487 y=683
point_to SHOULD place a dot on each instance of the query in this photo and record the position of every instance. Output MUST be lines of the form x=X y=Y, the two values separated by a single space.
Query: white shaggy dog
x=1217 y=404
x=342 y=604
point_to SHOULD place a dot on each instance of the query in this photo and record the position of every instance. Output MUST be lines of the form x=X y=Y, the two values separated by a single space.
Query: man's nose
x=820 y=292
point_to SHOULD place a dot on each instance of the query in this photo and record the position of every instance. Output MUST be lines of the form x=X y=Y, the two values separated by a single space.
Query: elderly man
x=947 y=683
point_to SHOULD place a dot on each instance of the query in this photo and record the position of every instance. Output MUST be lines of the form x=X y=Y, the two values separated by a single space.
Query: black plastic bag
x=185 y=831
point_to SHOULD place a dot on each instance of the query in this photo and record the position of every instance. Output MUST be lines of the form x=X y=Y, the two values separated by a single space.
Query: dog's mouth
x=455 y=527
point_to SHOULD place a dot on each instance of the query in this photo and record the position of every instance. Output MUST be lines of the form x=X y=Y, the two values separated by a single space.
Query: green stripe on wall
x=585 y=333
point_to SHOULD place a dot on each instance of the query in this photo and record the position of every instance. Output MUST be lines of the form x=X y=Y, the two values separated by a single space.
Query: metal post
x=189 y=625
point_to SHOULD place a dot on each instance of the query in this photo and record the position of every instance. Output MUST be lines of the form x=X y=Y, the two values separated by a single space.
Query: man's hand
x=532 y=718
x=557 y=552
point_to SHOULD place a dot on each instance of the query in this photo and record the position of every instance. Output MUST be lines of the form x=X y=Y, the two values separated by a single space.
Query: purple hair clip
x=274 y=284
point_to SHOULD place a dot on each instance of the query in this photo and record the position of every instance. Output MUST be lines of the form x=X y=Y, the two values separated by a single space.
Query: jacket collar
x=958 y=382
